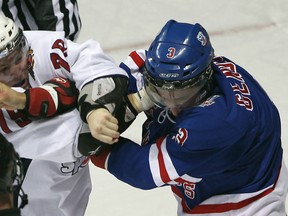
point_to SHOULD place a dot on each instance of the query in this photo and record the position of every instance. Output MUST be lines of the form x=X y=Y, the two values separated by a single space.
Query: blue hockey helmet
x=179 y=58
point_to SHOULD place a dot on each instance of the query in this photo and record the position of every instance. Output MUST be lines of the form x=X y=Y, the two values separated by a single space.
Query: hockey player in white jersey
x=57 y=178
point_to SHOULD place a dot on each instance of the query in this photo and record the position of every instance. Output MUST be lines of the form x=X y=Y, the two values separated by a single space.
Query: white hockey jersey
x=57 y=180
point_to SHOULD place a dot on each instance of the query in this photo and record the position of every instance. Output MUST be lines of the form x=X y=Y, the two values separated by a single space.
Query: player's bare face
x=14 y=69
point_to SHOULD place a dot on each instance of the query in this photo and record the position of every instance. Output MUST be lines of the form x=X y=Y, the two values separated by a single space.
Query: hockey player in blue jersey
x=214 y=135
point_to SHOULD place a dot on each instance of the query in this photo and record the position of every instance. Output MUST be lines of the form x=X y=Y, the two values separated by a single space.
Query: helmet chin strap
x=165 y=114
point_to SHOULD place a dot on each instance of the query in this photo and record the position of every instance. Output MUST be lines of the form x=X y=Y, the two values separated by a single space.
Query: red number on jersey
x=20 y=119
x=57 y=61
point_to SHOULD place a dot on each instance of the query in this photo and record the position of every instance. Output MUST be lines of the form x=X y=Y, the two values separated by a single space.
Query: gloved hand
x=140 y=100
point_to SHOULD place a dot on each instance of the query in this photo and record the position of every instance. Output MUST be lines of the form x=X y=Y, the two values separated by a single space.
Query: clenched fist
x=11 y=99
x=103 y=126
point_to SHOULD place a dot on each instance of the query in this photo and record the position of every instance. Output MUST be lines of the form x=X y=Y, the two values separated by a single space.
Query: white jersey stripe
x=168 y=162
x=154 y=165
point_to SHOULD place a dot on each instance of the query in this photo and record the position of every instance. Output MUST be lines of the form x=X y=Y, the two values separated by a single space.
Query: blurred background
x=252 y=33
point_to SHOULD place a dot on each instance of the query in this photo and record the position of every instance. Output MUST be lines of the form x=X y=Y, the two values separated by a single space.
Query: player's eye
x=18 y=58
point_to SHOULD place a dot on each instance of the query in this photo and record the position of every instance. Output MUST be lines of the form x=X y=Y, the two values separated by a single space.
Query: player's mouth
x=23 y=84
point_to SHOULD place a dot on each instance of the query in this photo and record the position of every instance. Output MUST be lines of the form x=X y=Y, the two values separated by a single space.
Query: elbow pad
x=55 y=97
x=107 y=92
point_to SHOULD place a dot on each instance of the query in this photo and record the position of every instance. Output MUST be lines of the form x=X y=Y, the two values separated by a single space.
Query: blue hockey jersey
x=227 y=148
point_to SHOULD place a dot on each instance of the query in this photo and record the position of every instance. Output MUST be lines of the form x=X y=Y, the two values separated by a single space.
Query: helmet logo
x=171 y=52
x=168 y=75
x=201 y=38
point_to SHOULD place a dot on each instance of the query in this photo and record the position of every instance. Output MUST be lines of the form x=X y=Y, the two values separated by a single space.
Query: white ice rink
x=252 y=33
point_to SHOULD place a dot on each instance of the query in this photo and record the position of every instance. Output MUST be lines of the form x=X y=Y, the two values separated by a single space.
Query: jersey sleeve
x=190 y=151
x=129 y=162
x=88 y=62
x=132 y=65
x=79 y=62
